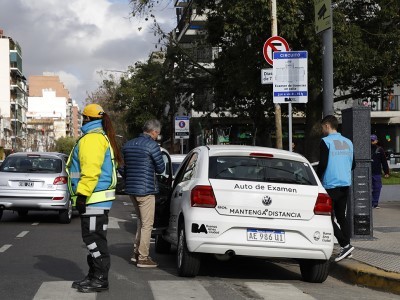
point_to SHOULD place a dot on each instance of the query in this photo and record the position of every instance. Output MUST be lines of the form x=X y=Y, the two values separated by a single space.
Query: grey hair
x=151 y=125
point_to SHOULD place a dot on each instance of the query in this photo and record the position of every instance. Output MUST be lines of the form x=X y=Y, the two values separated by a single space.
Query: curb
x=352 y=271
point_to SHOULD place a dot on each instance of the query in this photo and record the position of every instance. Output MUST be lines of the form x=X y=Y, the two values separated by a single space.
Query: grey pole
x=327 y=66
x=290 y=126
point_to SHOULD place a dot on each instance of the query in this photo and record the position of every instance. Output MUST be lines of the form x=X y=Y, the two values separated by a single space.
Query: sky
x=76 y=39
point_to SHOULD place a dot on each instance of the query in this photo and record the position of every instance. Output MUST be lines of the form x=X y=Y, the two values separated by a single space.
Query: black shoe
x=78 y=283
x=344 y=252
x=94 y=285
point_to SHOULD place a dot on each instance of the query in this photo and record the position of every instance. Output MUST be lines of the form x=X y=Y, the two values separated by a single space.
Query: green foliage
x=65 y=144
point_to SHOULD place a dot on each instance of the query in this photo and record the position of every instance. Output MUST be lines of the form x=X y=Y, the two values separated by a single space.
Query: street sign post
x=182 y=129
x=290 y=82
x=274 y=44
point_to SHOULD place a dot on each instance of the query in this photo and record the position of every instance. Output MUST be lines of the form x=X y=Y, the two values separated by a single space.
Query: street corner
x=354 y=272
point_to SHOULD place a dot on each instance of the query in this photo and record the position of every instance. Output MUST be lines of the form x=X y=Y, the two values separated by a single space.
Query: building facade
x=13 y=97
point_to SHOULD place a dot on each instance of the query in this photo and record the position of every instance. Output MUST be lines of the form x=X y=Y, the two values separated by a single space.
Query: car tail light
x=323 y=205
x=203 y=196
x=58 y=198
x=60 y=180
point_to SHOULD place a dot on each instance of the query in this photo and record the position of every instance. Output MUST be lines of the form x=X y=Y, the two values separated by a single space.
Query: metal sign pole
x=181 y=145
x=290 y=126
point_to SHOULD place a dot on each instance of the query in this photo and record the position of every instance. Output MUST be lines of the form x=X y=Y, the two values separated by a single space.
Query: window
x=190 y=167
x=26 y=164
x=260 y=169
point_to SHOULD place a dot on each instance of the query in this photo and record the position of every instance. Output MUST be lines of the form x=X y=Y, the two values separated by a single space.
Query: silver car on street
x=35 y=181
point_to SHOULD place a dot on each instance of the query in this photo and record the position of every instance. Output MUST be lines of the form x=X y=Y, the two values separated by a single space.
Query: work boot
x=76 y=284
x=96 y=284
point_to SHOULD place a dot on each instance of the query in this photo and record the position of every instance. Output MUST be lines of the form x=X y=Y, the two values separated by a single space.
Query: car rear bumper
x=304 y=239
x=35 y=201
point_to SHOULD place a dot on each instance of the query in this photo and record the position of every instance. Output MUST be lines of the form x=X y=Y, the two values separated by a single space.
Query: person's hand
x=81 y=204
x=386 y=176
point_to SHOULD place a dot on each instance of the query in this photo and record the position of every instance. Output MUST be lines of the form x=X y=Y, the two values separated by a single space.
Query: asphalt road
x=39 y=259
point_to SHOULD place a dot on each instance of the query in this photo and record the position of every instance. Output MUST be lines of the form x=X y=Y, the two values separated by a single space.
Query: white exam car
x=251 y=201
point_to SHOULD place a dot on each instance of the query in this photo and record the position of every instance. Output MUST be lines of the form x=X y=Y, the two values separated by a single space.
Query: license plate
x=275 y=236
x=26 y=183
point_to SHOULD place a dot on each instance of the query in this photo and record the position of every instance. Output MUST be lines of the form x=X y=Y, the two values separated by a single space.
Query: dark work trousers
x=94 y=235
x=339 y=203
x=376 y=189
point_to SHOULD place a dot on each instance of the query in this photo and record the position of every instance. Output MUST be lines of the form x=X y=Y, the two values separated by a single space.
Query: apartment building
x=49 y=98
x=13 y=97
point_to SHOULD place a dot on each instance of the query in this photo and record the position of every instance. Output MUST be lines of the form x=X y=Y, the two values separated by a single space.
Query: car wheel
x=65 y=215
x=161 y=245
x=314 y=270
x=22 y=213
x=188 y=263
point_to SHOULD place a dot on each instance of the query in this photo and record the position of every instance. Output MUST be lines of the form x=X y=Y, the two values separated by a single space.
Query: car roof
x=59 y=155
x=215 y=150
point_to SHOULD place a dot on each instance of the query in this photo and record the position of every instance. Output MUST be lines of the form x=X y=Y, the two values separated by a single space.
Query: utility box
x=356 y=125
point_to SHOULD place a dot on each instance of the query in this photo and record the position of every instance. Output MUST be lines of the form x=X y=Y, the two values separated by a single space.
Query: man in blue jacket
x=334 y=170
x=143 y=159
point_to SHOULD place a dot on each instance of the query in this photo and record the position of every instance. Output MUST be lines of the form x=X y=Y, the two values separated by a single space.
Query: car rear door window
x=260 y=169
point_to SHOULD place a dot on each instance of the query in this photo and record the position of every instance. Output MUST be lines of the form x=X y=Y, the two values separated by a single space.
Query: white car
x=251 y=201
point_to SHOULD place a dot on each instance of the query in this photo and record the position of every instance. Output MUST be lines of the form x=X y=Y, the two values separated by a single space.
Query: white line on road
x=178 y=290
x=22 y=234
x=274 y=291
x=34 y=224
x=61 y=290
x=4 y=248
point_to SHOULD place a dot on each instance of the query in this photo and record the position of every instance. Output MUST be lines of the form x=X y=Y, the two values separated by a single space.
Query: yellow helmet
x=93 y=110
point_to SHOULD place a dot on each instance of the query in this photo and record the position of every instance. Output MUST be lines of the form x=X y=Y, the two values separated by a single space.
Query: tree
x=64 y=144
x=366 y=54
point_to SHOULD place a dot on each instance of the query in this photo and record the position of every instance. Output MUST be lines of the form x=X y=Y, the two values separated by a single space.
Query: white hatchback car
x=251 y=201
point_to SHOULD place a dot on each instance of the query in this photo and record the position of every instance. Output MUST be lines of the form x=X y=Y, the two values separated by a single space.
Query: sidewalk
x=376 y=262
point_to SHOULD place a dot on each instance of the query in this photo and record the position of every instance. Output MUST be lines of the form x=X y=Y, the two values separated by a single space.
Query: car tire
x=22 y=213
x=313 y=270
x=188 y=264
x=161 y=245
x=65 y=215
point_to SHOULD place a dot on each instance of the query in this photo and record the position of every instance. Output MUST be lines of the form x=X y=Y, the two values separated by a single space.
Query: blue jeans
x=376 y=189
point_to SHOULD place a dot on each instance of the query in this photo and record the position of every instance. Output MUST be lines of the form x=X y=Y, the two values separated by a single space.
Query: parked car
x=250 y=201
x=176 y=160
x=35 y=181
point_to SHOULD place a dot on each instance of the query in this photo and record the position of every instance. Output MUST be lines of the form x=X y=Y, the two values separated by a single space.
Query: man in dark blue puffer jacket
x=143 y=159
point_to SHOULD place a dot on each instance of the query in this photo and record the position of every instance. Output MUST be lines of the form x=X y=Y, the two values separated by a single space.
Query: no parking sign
x=182 y=127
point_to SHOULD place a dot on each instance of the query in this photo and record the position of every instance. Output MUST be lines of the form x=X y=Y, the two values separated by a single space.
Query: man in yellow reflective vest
x=92 y=179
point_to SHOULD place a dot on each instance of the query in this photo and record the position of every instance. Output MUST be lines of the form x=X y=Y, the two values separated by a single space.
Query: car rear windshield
x=27 y=164
x=260 y=169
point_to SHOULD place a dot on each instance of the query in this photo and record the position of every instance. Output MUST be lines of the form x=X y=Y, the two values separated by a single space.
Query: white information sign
x=182 y=127
x=290 y=82
x=267 y=76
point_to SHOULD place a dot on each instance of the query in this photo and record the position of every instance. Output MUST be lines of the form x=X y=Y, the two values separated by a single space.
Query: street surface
x=39 y=259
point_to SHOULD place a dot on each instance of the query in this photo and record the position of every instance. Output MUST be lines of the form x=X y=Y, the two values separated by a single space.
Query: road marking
x=34 y=224
x=61 y=290
x=127 y=203
x=22 y=234
x=278 y=291
x=178 y=290
x=114 y=222
x=133 y=216
x=4 y=248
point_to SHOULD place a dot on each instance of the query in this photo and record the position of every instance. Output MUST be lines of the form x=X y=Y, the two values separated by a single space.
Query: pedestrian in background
x=379 y=162
x=334 y=170
x=92 y=179
x=143 y=159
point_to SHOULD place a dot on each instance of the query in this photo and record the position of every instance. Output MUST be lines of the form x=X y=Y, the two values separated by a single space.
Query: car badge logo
x=317 y=236
x=266 y=200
